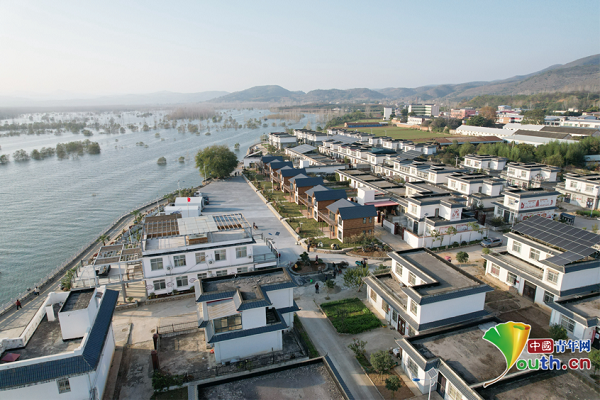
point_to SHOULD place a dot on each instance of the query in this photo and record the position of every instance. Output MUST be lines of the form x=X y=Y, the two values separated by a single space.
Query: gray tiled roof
x=357 y=212
x=215 y=296
x=340 y=204
x=318 y=188
x=330 y=195
x=286 y=310
x=308 y=182
x=75 y=365
x=288 y=171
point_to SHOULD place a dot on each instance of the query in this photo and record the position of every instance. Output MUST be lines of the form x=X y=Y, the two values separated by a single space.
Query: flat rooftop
x=354 y=172
x=466 y=352
x=77 y=300
x=587 y=308
x=308 y=381
x=46 y=341
x=549 y=385
x=247 y=283
x=448 y=277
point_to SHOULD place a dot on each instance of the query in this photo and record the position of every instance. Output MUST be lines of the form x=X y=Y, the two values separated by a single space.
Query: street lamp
x=432 y=375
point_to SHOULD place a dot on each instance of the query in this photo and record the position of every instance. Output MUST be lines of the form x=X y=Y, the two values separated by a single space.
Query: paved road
x=326 y=339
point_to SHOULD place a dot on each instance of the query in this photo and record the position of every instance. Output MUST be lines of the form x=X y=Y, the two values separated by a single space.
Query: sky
x=115 y=47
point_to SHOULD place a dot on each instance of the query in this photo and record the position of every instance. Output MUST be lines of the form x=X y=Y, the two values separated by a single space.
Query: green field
x=350 y=316
x=399 y=133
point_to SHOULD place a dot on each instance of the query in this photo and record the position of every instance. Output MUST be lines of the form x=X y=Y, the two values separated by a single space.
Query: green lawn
x=289 y=210
x=350 y=316
x=310 y=227
x=400 y=133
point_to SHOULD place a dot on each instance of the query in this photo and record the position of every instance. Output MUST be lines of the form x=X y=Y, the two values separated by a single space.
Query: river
x=51 y=207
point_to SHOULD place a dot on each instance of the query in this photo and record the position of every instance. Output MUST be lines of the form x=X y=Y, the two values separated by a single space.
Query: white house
x=434 y=217
x=178 y=251
x=423 y=292
x=579 y=315
x=282 y=140
x=520 y=204
x=478 y=189
x=468 y=130
x=413 y=171
x=486 y=163
x=417 y=119
x=529 y=174
x=546 y=260
x=65 y=351
x=581 y=190
x=245 y=314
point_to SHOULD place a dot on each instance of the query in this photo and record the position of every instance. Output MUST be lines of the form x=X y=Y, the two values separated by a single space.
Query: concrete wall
x=248 y=346
x=101 y=374
x=80 y=389
x=580 y=332
x=451 y=308
x=281 y=298
x=254 y=318
x=74 y=324
x=580 y=278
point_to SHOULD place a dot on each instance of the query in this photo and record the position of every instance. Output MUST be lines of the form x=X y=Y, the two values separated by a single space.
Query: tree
x=162 y=161
x=558 y=332
x=236 y=146
x=103 y=239
x=488 y=112
x=357 y=346
x=382 y=361
x=21 y=155
x=535 y=117
x=595 y=359
x=393 y=384
x=479 y=120
x=3 y=159
x=466 y=148
x=216 y=161
x=35 y=154
x=462 y=256
x=485 y=250
x=353 y=277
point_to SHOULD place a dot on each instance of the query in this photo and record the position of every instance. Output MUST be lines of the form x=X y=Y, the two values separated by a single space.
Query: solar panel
x=557 y=234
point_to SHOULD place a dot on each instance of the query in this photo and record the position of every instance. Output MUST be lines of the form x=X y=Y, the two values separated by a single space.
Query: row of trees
x=547 y=101
x=62 y=151
x=354 y=116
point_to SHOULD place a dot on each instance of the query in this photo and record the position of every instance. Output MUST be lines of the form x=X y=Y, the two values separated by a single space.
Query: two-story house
x=546 y=260
x=485 y=163
x=178 y=251
x=579 y=315
x=282 y=140
x=275 y=165
x=423 y=292
x=520 y=204
x=581 y=190
x=245 y=314
x=529 y=174
x=319 y=197
x=281 y=178
x=478 y=189
x=346 y=219
x=413 y=170
x=299 y=187
x=434 y=217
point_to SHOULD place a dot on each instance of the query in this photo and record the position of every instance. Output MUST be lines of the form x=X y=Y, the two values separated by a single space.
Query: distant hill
x=269 y=93
x=157 y=98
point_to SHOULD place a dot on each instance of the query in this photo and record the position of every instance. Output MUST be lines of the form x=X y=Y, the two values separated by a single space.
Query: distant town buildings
x=463 y=113
x=431 y=110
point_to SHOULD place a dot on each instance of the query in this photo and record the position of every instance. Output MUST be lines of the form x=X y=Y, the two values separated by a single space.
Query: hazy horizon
x=111 y=48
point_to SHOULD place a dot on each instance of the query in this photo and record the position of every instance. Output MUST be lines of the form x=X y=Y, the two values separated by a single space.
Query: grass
x=587 y=213
x=350 y=316
x=312 y=350
x=396 y=132
x=177 y=394
x=289 y=210
x=310 y=227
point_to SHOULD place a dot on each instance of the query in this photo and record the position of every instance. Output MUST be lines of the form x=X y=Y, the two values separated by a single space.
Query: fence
x=176 y=328
x=51 y=277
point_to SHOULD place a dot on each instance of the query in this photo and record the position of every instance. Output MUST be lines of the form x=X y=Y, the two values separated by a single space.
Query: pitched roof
x=268 y=159
x=318 y=188
x=544 y=134
x=475 y=139
x=570 y=130
x=280 y=164
x=342 y=203
x=299 y=176
x=303 y=148
x=303 y=182
x=75 y=365
x=288 y=171
x=357 y=212
x=330 y=195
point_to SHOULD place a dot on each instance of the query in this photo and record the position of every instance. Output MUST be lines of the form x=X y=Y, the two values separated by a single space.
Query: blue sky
x=189 y=46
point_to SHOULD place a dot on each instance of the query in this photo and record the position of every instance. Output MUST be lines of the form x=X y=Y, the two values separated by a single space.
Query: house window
x=373 y=295
x=511 y=279
x=411 y=331
x=221 y=272
x=364 y=220
x=370 y=219
x=231 y=323
x=412 y=279
x=589 y=188
x=412 y=367
x=200 y=257
x=160 y=284
x=567 y=323
x=463 y=187
x=182 y=281
x=394 y=315
x=399 y=270
x=548 y=297
x=517 y=247
x=241 y=270
x=453 y=392
x=523 y=174
x=534 y=254
x=413 y=209
x=203 y=275
x=63 y=385
x=385 y=306
x=452 y=184
x=573 y=184
x=156 y=264
x=241 y=252
x=220 y=255
x=494 y=270
x=413 y=307
x=552 y=276
x=179 y=261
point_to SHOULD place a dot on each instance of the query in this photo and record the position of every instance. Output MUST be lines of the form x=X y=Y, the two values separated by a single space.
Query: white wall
x=451 y=308
x=80 y=389
x=101 y=374
x=580 y=332
x=254 y=318
x=74 y=324
x=281 y=298
x=423 y=382
x=248 y=346
x=581 y=278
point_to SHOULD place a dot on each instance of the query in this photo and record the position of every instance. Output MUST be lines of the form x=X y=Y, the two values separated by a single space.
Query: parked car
x=491 y=242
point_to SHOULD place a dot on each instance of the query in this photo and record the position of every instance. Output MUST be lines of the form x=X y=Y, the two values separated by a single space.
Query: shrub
x=558 y=332
x=485 y=250
x=393 y=384
x=496 y=222
x=162 y=381
x=593 y=213
x=462 y=256
x=330 y=283
x=130 y=299
x=151 y=295
x=382 y=361
x=357 y=346
x=595 y=359
x=162 y=161
x=463 y=243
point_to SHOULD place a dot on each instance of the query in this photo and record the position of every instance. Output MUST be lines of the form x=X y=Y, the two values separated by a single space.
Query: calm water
x=51 y=208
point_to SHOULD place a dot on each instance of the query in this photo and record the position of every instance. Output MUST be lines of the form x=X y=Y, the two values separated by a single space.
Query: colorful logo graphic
x=510 y=338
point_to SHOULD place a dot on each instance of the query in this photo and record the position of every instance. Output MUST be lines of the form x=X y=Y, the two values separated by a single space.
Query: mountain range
x=580 y=75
